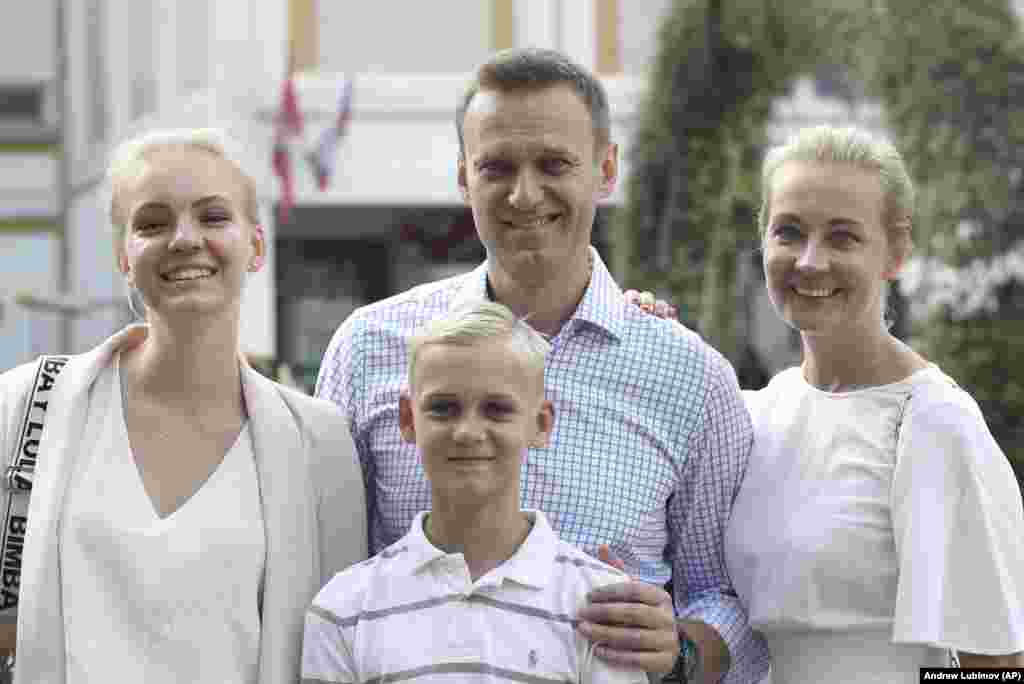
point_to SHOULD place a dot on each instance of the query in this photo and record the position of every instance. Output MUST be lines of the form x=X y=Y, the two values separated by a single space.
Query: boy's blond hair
x=480 y=321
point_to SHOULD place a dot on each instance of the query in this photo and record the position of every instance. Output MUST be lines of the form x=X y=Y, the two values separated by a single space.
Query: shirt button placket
x=458 y=624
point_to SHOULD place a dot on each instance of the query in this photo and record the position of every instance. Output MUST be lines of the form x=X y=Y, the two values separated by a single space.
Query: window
x=25 y=116
x=22 y=103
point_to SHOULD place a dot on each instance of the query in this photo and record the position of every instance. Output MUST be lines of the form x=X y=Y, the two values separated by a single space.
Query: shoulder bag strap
x=18 y=482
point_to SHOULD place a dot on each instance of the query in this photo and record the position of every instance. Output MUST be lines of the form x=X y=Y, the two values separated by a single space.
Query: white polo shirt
x=412 y=613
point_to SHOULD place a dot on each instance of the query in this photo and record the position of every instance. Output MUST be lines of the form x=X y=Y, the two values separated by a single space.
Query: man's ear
x=901 y=245
x=406 y=423
x=609 y=171
x=463 y=185
x=545 y=425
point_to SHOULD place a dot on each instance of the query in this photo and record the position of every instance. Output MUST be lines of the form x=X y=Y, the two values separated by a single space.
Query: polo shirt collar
x=531 y=565
x=534 y=561
x=419 y=551
x=602 y=305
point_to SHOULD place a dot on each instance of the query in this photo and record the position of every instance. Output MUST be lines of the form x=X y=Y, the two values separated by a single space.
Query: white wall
x=26 y=185
x=27 y=40
x=259 y=305
x=28 y=265
x=404 y=37
x=95 y=280
x=638 y=32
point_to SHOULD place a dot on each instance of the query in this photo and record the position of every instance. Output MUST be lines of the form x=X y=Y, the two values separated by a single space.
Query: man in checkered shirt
x=651 y=435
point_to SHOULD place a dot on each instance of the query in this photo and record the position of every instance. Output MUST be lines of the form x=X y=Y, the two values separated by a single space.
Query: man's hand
x=647 y=303
x=633 y=625
x=604 y=554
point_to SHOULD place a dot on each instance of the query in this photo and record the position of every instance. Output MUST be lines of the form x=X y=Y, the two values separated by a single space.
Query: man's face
x=533 y=175
x=472 y=412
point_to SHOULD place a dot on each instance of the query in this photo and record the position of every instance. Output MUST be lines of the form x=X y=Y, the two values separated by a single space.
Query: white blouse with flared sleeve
x=875 y=529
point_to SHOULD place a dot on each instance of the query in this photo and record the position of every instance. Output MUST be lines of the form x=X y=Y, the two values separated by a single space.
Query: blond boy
x=478 y=590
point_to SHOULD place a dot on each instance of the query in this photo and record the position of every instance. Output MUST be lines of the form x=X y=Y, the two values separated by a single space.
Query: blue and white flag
x=323 y=156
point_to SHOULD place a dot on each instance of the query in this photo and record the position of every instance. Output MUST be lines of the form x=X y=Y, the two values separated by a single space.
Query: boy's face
x=473 y=412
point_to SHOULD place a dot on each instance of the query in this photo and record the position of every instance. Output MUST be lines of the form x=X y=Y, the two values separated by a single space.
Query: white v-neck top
x=159 y=600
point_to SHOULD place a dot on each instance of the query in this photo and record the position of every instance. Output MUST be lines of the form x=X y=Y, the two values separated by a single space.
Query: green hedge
x=951 y=77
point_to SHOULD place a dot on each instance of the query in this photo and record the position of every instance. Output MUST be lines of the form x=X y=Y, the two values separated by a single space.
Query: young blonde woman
x=879 y=526
x=185 y=509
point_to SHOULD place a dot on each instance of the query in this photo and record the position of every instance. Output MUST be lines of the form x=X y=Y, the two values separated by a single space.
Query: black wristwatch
x=685 y=669
x=6 y=669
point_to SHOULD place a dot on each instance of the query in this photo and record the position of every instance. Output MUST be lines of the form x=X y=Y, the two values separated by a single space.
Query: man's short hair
x=535 y=69
x=476 y=323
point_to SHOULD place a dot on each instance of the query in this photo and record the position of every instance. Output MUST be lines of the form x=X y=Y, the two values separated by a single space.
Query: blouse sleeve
x=958 y=524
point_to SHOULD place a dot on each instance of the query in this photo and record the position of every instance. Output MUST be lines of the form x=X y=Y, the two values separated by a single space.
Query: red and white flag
x=323 y=157
x=287 y=132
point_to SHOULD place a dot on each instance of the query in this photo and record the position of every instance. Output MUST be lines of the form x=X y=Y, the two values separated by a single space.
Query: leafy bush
x=951 y=76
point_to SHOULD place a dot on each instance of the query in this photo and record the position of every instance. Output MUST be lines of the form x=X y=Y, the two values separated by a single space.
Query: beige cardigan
x=311 y=489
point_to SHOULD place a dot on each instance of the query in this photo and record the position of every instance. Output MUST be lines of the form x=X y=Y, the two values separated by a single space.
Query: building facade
x=380 y=225
x=183 y=63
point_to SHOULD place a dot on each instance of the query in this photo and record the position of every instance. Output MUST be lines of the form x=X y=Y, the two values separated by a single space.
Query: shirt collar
x=421 y=552
x=531 y=565
x=602 y=305
x=534 y=561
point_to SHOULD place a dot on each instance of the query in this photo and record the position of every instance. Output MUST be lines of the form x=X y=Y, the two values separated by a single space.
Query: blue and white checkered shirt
x=650 y=442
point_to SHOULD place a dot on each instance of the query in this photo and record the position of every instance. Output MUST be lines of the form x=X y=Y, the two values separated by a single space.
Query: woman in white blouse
x=879 y=526
x=185 y=509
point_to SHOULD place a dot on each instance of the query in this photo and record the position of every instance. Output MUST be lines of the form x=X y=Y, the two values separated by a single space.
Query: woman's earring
x=134 y=294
